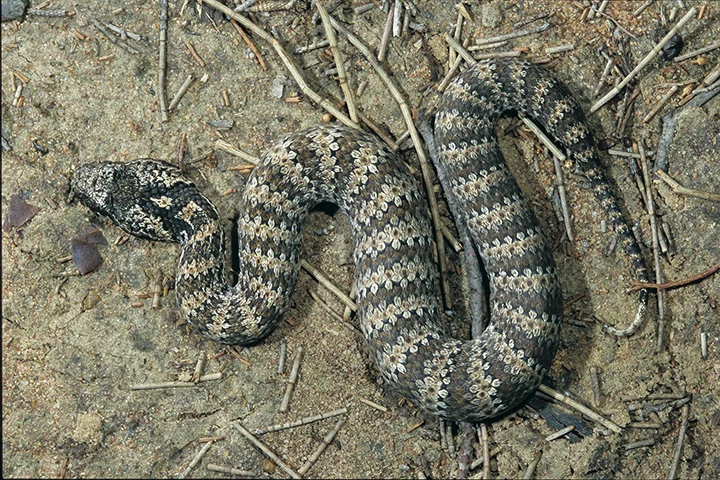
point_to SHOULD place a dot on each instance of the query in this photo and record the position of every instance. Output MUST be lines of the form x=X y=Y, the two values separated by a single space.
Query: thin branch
x=386 y=35
x=339 y=61
x=680 y=442
x=162 y=94
x=486 y=450
x=481 y=460
x=558 y=156
x=677 y=188
x=648 y=58
x=424 y=164
x=677 y=283
x=699 y=51
x=196 y=56
x=229 y=470
x=250 y=44
x=289 y=64
x=233 y=150
x=196 y=459
x=655 y=243
x=302 y=421
x=372 y=404
x=326 y=441
x=292 y=380
x=327 y=308
x=508 y=36
x=660 y=104
x=450 y=74
x=178 y=96
x=327 y=283
x=530 y=471
x=265 y=449
x=580 y=407
x=459 y=48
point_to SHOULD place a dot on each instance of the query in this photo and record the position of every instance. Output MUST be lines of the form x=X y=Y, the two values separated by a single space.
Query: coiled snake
x=394 y=271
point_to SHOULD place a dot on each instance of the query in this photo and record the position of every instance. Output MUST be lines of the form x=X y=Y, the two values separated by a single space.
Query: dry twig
x=677 y=283
x=680 y=442
x=517 y=34
x=372 y=404
x=229 y=470
x=580 y=407
x=424 y=164
x=326 y=441
x=162 y=95
x=486 y=449
x=326 y=307
x=660 y=104
x=677 y=188
x=196 y=56
x=327 y=283
x=648 y=58
x=530 y=471
x=266 y=450
x=196 y=459
x=558 y=156
x=697 y=52
x=302 y=421
x=655 y=242
x=178 y=96
x=291 y=381
x=250 y=44
x=233 y=150
x=386 y=35
x=339 y=61
x=289 y=64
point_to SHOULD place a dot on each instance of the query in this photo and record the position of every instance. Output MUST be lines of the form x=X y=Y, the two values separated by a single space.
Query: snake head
x=139 y=196
x=94 y=185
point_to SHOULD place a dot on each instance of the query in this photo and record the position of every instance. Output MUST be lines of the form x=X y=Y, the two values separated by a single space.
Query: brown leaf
x=85 y=253
x=19 y=213
x=92 y=236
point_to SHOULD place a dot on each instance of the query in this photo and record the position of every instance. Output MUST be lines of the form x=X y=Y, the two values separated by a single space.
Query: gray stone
x=13 y=9
x=491 y=15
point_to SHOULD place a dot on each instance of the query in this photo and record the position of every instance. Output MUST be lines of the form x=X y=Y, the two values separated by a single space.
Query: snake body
x=395 y=276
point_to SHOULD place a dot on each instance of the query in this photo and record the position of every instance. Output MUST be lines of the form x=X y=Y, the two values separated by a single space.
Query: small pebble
x=673 y=47
x=278 y=85
x=221 y=124
x=268 y=466
x=90 y=300
x=13 y=9
x=491 y=15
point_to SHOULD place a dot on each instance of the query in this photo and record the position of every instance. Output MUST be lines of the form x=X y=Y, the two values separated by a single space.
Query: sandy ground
x=73 y=345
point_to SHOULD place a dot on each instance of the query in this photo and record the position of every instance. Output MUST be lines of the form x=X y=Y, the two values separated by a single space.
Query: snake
x=395 y=277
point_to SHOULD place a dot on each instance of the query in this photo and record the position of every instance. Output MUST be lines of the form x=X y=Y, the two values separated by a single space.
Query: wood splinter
x=291 y=381
x=302 y=421
x=326 y=441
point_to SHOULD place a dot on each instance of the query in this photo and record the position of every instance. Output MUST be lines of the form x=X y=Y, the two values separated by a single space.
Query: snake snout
x=93 y=184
